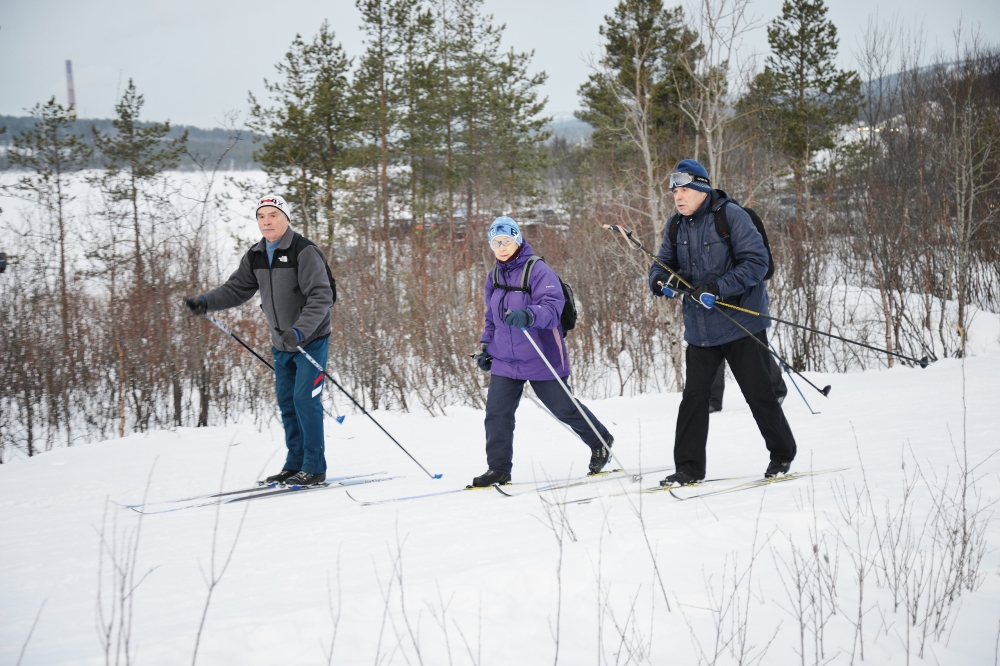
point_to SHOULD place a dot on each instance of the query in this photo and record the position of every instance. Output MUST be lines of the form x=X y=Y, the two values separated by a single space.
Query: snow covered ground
x=475 y=577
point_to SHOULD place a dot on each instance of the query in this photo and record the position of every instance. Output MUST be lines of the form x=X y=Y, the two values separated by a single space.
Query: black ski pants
x=719 y=385
x=746 y=360
x=501 y=402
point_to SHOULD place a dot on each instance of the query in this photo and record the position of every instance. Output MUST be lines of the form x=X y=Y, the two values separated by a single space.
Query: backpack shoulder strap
x=722 y=223
x=673 y=224
x=526 y=274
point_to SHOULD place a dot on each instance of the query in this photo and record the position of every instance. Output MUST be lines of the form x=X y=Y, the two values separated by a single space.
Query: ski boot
x=491 y=477
x=678 y=479
x=776 y=468
x=305 y=479
x=280 y=477
x=599 y=456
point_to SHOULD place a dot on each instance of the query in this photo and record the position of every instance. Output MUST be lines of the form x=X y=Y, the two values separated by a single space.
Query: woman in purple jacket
x=512 y=360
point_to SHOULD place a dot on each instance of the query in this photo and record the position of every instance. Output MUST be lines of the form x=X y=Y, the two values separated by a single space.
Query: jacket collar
x=712 y=203
x=286 y=241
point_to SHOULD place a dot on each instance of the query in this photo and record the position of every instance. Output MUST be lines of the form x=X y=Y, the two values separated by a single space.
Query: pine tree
x=52 y=150
x=807 y=96
x=133 y=155
x=311 y=129
x=644 y=44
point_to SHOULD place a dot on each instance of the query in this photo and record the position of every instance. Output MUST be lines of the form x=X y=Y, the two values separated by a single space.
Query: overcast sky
x=196 y=59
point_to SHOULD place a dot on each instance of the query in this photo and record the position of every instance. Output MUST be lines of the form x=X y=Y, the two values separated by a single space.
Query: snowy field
x=778 y=574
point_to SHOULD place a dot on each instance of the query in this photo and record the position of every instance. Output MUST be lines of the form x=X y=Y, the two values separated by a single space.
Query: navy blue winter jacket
x=703 y=254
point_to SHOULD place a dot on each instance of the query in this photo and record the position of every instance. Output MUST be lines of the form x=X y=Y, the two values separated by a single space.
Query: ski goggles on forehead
x=683 y=179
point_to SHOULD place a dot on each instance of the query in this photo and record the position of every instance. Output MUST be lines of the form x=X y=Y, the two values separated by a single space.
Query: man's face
x=272 y=222
x=688 y=201
x=503 y=247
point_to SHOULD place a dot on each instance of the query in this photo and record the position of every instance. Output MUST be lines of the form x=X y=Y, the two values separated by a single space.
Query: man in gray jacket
x=296 y=292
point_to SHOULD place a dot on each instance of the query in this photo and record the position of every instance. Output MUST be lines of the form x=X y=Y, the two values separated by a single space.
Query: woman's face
x=503 y=247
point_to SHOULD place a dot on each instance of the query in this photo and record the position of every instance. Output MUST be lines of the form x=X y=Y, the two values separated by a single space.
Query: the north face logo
x=283 y=258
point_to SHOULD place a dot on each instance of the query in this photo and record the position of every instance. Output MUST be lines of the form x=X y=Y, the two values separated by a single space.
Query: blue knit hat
x=504 y=226
x=701 y=181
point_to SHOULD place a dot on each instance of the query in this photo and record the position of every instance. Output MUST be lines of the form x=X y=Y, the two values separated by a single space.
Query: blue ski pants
x=501 y=402
x=299 y=386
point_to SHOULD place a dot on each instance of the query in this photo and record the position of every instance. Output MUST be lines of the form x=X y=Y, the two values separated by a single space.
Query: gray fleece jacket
x=294 y=289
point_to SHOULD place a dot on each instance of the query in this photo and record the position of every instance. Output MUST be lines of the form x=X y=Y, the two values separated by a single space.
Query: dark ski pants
x=501 y=402
x=300 y=391
x=719 y=385
x=746 y=360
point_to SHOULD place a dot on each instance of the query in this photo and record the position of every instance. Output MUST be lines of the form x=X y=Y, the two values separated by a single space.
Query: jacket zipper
x=274 y=309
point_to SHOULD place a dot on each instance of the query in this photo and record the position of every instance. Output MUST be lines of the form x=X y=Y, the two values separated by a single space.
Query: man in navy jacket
x=718 y=270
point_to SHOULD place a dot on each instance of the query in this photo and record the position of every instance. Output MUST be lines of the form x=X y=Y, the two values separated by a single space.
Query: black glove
x=483 y=359
x=654 y=282
x=707 y=294
x=519 y=318
x=197 y=305
x=291 y=338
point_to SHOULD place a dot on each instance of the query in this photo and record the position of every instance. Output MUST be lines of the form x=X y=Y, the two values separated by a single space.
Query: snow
x=492 y=561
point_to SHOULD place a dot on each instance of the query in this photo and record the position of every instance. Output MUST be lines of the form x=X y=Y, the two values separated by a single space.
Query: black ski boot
x=777 y=469
x=490 y=478
x=305 y=479
x=599 y=457
x=280 y=477
x=679 y=479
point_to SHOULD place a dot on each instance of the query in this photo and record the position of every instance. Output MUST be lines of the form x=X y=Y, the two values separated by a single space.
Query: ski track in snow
x=491 y=556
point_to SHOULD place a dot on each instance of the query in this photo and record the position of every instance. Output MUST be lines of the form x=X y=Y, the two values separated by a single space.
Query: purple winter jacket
x=513 y=356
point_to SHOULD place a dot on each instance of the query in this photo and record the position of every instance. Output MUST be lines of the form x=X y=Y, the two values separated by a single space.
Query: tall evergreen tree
x=52 y=151
x=807 y=95
x=133 y=154
x=644 y=43
x=310 y=129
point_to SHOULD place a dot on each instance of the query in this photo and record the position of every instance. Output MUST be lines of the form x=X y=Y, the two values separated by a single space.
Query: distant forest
x=209 y=144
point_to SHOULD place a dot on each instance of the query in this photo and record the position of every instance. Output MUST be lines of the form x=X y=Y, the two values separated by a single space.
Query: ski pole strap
x=364 y=411
x=632 y=241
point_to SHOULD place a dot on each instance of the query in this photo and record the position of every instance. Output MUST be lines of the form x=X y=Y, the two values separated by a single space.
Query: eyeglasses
x=500 y=242
x=682 y=179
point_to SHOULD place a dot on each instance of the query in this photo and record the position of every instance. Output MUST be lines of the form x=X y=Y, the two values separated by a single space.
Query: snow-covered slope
x=475 y=577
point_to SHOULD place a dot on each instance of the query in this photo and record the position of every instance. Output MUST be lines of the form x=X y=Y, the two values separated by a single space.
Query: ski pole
x=364 y=411
x=923 y=362
x=801 y=395
x=338 y=418
x=825 y=390
x=576 y=403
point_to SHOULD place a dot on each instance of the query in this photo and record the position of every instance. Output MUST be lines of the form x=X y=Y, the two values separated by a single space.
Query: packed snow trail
x=487 y=566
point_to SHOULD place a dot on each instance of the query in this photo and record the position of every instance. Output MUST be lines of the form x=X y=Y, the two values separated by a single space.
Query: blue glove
x=707 y=295
x=292 y=338
x=483 y=359
x=519 y=318
x=668 y=292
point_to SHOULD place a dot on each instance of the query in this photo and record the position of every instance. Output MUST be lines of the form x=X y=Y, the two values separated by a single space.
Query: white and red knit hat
x=277 y=202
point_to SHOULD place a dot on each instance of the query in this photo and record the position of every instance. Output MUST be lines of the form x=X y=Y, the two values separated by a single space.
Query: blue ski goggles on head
x=683 y=179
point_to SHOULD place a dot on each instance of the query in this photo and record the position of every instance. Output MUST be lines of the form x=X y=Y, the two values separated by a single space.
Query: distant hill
x=567 y=126
x=211 y=143
x=201 y=143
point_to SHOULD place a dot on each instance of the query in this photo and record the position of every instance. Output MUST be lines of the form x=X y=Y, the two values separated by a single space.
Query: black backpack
x=722 y=228
x=300 y=242
x=569 y=314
